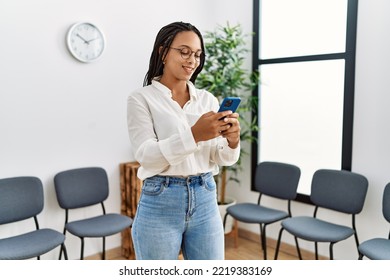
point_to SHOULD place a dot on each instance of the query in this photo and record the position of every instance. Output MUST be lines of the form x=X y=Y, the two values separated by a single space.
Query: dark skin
x=177 y=71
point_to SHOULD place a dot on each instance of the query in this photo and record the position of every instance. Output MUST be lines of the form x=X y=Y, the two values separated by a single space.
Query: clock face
x=85 y=42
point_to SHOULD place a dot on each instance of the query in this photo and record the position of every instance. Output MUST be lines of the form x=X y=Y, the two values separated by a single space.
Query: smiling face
x=176 y=67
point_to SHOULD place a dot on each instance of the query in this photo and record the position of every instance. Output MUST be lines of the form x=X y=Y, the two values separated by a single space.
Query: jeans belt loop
x=166 y=181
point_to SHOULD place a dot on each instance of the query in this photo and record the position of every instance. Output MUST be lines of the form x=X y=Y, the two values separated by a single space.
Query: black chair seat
x=99 y=226
x=316 y=230
x=30 y=245
x=257 y=214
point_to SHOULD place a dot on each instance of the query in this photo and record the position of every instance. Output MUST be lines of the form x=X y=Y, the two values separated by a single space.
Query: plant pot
x=222 y=210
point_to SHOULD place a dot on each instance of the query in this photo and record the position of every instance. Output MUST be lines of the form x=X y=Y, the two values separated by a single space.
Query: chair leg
x=104 y=248
x=331 y=250
x=357 y=242
x=60 y=256
x=278 y=243
x=263 y=240
x=261 y=233
x=82 y=248
x=316 y=249
x=63 y=248
x=298 y=250
x=224 y=221
x=360 y=256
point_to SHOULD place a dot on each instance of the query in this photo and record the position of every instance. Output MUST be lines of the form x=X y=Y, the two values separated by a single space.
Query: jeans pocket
x=210 y=184
x=152 y=188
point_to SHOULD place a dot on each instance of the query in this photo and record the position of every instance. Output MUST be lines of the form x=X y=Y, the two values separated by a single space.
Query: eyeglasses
x=187 y=52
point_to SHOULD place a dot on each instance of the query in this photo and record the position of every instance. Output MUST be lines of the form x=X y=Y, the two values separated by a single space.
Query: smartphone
x=230 y=103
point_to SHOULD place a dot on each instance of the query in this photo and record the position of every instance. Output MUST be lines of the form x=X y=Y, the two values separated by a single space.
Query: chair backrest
x=277 y=179
x=81 y=187
x=20 y=198
x=339 y=190
x=386 y=203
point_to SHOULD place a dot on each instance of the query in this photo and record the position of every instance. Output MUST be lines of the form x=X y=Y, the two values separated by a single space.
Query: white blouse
x=161 y=137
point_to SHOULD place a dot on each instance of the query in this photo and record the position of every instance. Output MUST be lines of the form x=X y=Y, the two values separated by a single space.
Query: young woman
x=179 y=140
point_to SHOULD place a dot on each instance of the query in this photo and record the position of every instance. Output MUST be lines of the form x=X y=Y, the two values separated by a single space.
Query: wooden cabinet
x=130 y=193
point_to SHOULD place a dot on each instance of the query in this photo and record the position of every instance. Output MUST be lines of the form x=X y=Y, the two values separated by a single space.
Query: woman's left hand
x=232 y=132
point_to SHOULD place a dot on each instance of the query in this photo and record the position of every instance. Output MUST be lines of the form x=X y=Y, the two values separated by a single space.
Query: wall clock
x=85 y=41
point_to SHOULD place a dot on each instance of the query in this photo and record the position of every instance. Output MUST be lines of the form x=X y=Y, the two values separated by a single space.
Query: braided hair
x=164 y=40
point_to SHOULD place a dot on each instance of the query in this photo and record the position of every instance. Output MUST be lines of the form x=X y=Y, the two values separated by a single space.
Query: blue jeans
x=178 y=214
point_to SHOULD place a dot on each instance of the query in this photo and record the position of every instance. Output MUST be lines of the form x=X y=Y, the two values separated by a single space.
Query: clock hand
x=85 y=41
x=92 y=40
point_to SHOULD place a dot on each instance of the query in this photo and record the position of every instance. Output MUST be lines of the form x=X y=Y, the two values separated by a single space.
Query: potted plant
x=224 y=74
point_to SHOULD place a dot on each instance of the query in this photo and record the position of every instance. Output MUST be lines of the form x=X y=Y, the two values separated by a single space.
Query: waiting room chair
x=273 y=179
x=338 y=190
x=378 y=248
x=82 y=187
x=21 y=198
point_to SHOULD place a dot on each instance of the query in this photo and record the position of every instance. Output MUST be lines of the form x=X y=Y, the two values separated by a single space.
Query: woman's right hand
x=210 y=125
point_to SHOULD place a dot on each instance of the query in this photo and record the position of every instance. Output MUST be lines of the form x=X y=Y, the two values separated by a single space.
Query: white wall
x=57 y=113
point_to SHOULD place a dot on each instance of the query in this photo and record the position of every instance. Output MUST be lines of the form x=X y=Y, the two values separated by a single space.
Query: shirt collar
x=191 y=88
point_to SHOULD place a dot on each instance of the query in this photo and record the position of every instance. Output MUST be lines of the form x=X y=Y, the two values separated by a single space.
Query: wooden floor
x=251 y=250
x=248 y=249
